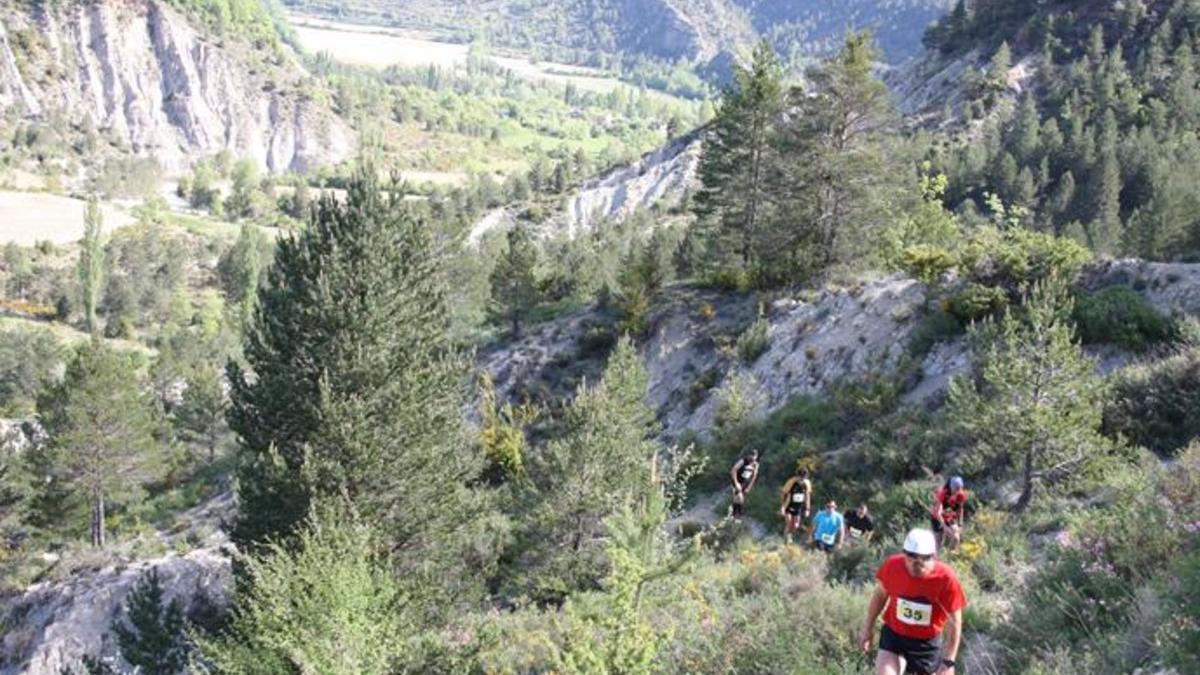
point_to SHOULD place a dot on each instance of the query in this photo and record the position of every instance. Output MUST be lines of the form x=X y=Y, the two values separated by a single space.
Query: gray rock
x=142 y=73
x=55 y=623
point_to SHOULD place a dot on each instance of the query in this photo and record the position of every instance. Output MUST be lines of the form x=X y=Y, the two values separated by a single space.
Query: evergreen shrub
x=1157 y=405
x=976 y=302
x=1121 y=316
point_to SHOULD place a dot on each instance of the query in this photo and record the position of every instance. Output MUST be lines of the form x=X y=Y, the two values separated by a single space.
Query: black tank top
x=746 y=472
x=798 y=492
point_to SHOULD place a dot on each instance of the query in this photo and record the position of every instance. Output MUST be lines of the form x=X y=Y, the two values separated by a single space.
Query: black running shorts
x=922 y=656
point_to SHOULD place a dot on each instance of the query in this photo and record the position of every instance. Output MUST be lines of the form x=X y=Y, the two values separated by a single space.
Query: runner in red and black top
x=744 y=474
x=949 y=512
x=918 y=596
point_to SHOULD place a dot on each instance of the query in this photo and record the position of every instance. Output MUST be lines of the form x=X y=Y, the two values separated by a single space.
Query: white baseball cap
x=920 y=542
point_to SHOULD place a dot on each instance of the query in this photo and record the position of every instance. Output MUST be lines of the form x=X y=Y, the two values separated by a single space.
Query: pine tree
x=514 y=286
x=1060 y=200
x=100 y=426
x=1025 y=136
x=20 y=270
x=1039 y=406
x=200 y=416
x=733 y=199
x=600 y=463
x=91 y=264
x=152 y=636
x=353 y=386
x=243 y=267
x=1105 y=191
x=327 y=603
x=837 y=181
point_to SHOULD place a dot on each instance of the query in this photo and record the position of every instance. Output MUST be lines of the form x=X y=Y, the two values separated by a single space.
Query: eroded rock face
x=839 y=334
x=55 y=623
x=842 y=334
x=141 y=73
x=661 y=178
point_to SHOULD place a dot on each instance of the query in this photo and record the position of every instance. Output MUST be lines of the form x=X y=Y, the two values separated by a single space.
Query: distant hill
x=699 y=31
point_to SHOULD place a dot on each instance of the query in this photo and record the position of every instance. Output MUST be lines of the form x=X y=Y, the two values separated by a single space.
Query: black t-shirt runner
x=857 y=526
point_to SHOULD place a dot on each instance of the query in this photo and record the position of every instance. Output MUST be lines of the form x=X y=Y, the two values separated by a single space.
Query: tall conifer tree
x=353 y=386
x=733 y=199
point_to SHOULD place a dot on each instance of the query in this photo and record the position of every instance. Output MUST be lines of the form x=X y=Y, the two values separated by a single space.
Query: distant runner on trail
x=860 y=526
x=949 y=512
x=918 y=595
x=744 y=474
x=796 y=504
x=829 y=530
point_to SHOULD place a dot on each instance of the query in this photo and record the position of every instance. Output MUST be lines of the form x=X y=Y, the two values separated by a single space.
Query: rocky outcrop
x=837 y=334
x=814 y=341
x=149 y=79
x=55 y=623
x=841 y=334
x=1171 y=288
x=660 y=178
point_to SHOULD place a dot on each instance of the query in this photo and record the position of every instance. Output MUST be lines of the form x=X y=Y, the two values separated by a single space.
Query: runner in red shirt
x=918 y=595
x=949 y=512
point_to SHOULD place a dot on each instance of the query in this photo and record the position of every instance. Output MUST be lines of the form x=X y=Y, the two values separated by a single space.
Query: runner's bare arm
x=787 y=490
x=874 y=608
x=956 y=630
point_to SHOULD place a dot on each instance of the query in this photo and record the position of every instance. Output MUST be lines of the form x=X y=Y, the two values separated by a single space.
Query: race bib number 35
x=913 y=613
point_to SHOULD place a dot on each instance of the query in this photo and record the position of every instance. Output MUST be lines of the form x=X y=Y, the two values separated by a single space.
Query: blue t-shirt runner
x=828 y=531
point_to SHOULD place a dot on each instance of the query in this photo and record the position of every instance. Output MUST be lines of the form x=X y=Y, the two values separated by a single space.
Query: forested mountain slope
x=1083 y=113
x=692 y=30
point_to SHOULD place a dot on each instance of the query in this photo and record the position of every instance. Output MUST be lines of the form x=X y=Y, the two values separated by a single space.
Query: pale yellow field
x=29 y=217
x=380 y=47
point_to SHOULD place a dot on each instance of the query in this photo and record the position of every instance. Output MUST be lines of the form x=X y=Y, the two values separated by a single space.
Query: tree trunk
x=97 y=518
x=1026 y=482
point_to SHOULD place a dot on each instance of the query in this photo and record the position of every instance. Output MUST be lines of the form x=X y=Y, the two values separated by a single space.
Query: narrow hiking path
x=706 y=511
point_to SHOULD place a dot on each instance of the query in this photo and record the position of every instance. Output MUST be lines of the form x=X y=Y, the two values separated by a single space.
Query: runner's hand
x=865 y=642
x=945 y=670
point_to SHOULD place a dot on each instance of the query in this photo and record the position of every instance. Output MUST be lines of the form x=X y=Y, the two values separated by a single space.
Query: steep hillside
x=160 y=83
x=1081 y=113
x=694 y=30
x=658 y=179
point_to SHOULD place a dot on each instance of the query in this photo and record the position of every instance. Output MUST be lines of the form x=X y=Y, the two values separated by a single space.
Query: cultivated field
x=30 y=217
x=377 y=47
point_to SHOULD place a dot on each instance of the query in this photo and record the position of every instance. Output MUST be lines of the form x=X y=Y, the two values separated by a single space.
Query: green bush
x=901 y=508
x=1121 y=316
x=1016 y=258
x=754 y=341
x=1157 y=405
x=926 y=262
x=1179 y=636
x=727 y=279
x=28 y=359
x=976 y=302
x=933 y=328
